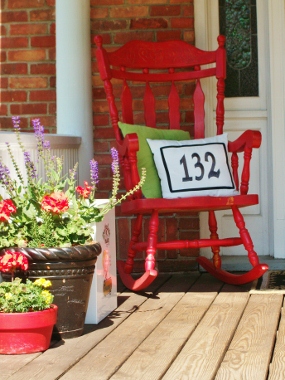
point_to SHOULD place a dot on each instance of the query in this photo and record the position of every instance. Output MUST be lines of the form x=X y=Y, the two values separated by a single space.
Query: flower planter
x=71 y=271
x=25 y=333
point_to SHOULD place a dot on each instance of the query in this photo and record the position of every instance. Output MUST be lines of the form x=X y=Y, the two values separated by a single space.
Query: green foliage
x=18 y=297
x=53 y=212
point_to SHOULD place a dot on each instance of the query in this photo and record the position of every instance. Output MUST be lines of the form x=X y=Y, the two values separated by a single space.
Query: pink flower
x=13 y=260
x=84 y=191
x=55 y=203
x=7 y=208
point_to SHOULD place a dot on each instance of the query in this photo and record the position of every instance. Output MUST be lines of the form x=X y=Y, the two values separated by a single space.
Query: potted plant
x=27 y=315
x=48 y=219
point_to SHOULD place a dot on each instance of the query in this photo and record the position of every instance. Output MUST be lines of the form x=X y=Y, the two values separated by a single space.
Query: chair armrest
x=244 y=143
x=127 y=150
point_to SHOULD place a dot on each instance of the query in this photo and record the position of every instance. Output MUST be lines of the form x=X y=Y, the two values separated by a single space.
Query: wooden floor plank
x=103 y=361
x=10 y=364
x=277 y=367
x=205 y=283
x=249 y=354
x=202 y=353
x=151 y=360
x=56 y=361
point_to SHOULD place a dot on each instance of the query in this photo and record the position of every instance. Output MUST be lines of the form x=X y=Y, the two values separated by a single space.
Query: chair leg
x=245 y=237
x=135 y=236
x=258 y=269
x=151 y=242
x=150 y=274
x=213 y=227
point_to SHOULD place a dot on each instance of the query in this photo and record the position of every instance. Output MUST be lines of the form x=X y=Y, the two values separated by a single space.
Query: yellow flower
x=8 y=296
x=42 y=282
x=47 y=296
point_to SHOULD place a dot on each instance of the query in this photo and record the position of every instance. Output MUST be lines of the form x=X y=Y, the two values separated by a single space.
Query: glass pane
x=238 y=23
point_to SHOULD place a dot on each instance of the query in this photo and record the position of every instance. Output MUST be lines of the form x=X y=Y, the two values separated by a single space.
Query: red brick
x=3 y=109
x=108 y=25
x=28 y=29
x=13 y=96
x=106 y=2
x=43 y=15
x=165 y=10
x=14 y=4
x=27 y=55
x=182 y=23
x=50 y=3
x=31 y=82
x=52 y=108
x=43 y=68
x=101 y=146
x=101 y=120
x=168 y=35
x=6 y=123
x=43 y=41
x=3 y=30
x=3 y=56
x=52 y=54
x=14 y=16
x=28 y=109
x=149 y=23
x=42 y=95
x=104 y=133
x=123 y=37
x=129 y=12
x=123 y=237
x=188 y=10
x=52 y=29
x=99 y=13
x=3 y=82
x=14 y=68
x=48 y=121
x=150 y=2
x=52 y=82
x=180 y=1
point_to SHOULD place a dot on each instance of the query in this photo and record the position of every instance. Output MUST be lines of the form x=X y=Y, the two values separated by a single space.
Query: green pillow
x=151 y=187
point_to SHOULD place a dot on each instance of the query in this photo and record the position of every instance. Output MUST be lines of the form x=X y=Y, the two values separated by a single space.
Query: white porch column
x=73 y=77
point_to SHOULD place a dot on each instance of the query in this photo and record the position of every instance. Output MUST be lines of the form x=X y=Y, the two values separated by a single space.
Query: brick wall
x=28 y=84
x=28 y=62
x=119 y=21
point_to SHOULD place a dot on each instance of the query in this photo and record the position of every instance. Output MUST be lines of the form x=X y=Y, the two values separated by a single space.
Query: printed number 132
x=200 y=166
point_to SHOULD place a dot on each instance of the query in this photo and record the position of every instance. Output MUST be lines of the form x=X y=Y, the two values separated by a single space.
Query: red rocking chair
x=194 y=176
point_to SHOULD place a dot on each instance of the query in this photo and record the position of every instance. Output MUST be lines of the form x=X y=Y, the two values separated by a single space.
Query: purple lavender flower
x=46 y=144
x=38 y=128
x=39 y=131
x=16 y=122
x=27 y=157
x=115 y=159
x=5 y=178
x=94 y=172
x=32 y=173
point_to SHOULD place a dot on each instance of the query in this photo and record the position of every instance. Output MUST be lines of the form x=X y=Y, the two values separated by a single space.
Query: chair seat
x=193 y=204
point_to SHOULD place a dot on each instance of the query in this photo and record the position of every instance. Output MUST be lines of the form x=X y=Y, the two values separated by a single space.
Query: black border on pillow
x=195 y=189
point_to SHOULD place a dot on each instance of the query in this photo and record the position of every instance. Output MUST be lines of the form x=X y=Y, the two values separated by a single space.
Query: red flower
x=7 y=208
x=84 y=191
x=55 y=203
x=13 y=260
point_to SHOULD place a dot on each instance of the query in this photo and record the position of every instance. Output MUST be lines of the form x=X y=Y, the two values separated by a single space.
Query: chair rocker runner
x=194 y=175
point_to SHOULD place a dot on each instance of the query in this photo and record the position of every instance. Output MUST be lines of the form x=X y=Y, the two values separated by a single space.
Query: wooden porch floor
x=184 y=327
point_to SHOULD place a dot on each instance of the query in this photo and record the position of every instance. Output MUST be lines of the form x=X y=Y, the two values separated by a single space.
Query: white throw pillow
x=193 y=167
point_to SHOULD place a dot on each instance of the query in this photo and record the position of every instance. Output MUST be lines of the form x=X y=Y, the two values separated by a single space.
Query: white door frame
x=271 y=105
